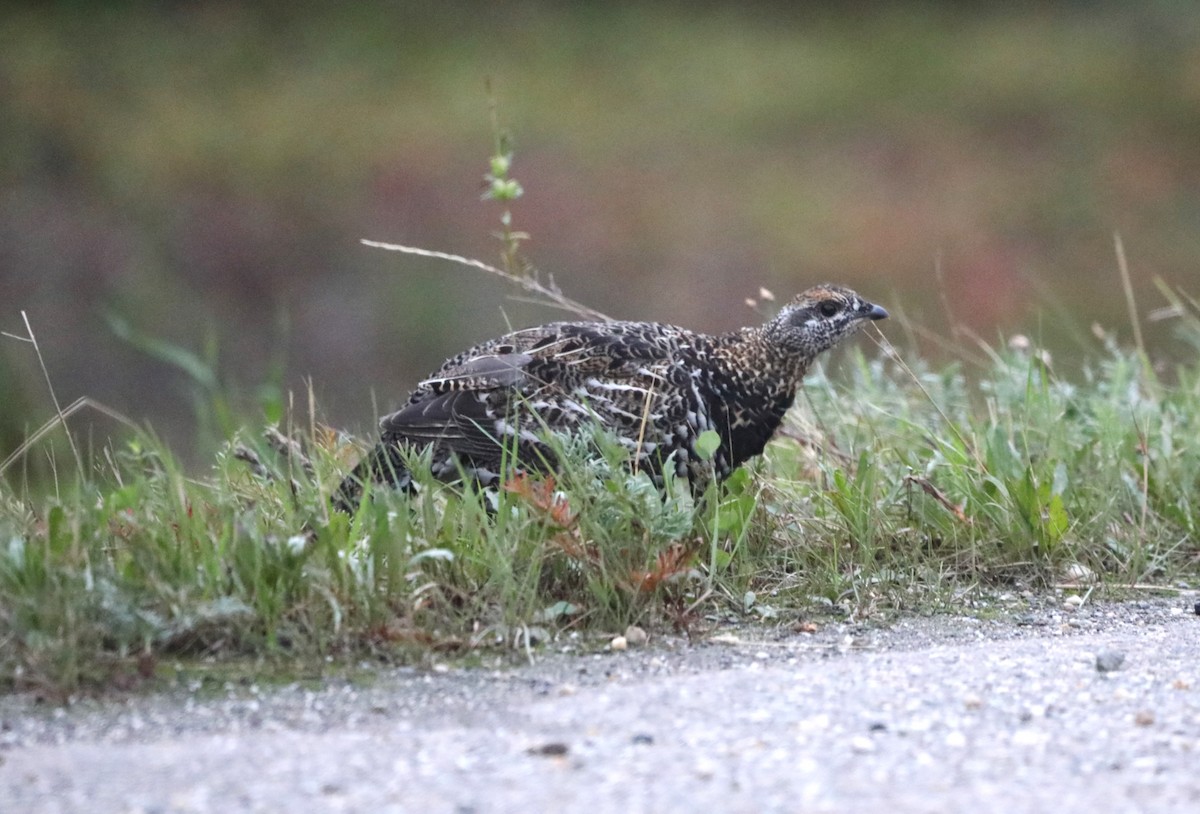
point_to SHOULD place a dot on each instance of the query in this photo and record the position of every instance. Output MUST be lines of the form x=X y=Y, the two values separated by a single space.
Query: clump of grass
x=910 y=483
x=1014 y=475
x=145 y=562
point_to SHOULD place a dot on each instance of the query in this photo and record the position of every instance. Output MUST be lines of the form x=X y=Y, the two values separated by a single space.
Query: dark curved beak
x=876 y=312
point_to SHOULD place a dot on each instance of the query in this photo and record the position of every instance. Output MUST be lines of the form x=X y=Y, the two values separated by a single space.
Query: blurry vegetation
x=203 y=171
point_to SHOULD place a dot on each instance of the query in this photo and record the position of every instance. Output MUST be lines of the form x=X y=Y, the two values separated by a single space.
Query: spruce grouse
x=655 y=387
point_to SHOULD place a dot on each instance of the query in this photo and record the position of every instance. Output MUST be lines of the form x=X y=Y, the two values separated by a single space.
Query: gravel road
x=1051 y=709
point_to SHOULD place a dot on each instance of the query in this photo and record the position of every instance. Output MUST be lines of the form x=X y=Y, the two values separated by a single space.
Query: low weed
x=891 y=487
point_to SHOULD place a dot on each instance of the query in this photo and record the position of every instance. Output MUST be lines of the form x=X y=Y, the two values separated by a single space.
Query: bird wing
x=551 y=377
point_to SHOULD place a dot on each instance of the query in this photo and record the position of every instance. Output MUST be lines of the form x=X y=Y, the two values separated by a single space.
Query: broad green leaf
x=707 y=443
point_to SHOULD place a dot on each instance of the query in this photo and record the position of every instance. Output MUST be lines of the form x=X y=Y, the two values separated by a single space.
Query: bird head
x=819 y=318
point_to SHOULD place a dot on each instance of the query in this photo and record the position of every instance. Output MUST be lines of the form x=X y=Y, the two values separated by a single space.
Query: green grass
x=895 y=486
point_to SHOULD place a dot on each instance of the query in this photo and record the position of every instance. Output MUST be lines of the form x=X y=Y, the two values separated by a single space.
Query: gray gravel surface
x=1055 y=709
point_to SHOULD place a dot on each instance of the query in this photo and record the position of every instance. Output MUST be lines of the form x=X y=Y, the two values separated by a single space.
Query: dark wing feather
x=458 y=405
x=456 y=419
x=460 y=408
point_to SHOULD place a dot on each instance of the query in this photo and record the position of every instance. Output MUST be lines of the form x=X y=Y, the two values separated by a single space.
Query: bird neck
x=749 y=354
x=751 y=388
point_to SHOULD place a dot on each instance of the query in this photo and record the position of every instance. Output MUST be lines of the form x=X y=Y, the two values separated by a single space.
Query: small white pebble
x=862 y=744
x=919 y=724
x=1029 y=737
x=1073 y=602
x=705 y=768
x=618 y=643
x=956 y=740
x=1079 y=574
x=815 y=723
x=636 y=636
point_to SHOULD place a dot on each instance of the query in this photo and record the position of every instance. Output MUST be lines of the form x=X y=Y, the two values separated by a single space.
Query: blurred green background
x=202 y=172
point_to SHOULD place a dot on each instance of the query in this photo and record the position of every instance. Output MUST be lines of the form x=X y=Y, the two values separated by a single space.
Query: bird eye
x=828 y=308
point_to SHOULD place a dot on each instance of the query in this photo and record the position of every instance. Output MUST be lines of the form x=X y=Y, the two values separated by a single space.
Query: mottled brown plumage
x=655 y=387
